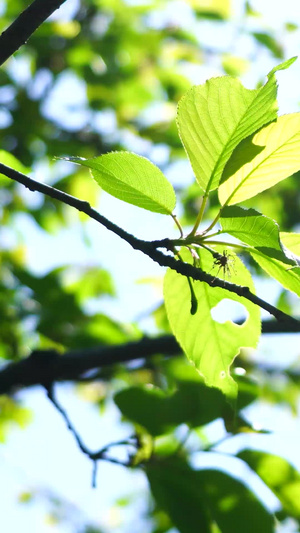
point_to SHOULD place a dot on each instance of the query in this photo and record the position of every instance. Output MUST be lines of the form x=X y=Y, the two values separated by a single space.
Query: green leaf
x=288 y=276
x=282 y=478
x=234 y=65
x=233 y=506
x=8 y=159
x=194 y=499
x=291 y=241
x=215 y=9
x=133 y=179
x=254 y=229
x=249 y=173
x=269 y=42
x=176 y=489
x=145 y=407
x=11 y=413
x=193 y=404
x=208 y=344
x=213 y=119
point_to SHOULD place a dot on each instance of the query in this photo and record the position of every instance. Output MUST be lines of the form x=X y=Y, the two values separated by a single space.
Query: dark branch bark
x=25 y=25
x=147 y=247
x=46 y=367
x=94 y=456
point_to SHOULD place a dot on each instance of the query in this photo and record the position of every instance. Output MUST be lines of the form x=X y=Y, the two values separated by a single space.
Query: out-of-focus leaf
x=193 y=404
x=270 y=42
x=234 y=65
x=90 y=283
x=215 y=9
x=11 y=413
x=234 y=506
x=176 y=490
x=10 y=161
x=194 y=499
x=282 y=478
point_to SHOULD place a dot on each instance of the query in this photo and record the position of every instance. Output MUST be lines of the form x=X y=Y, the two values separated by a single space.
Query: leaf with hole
x=211 y=346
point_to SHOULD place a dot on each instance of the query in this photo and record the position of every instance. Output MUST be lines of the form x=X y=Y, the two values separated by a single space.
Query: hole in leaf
x=229 y=310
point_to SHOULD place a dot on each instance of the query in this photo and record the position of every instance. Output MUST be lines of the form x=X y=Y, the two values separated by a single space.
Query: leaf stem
x=177 y=224
x=214 y=221
x=200 y=216
x=230 y=244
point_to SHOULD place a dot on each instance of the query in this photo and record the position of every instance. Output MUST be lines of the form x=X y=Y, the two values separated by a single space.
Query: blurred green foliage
x=108 y=76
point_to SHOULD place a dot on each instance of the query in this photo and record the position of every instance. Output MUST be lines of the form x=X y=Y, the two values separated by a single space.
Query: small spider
x=225 y=262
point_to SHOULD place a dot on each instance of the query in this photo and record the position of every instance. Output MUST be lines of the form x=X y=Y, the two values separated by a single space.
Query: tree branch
x=147 y=247
x=44 y=367
x=25 y=25
x=94 y=456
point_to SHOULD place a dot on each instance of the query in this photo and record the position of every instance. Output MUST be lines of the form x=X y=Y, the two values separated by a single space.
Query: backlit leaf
x=291 y=241
x=287 y=274
x=210 y=345
x=254 y=229
x=133 y=179
x=260 y=162
x=213 y=118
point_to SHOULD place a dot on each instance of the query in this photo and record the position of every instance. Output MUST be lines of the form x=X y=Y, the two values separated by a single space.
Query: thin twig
x=94 y=456
x=147 y=247
x=25 y=25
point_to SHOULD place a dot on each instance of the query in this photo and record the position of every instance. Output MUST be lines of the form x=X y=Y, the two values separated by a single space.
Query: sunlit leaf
x=11 y=413
x=133 y=179
x=254 y=229
x=260 y=162
x=219 y=9
x=214 y=118
x=234 y=65
x=291 y=241
x=10 y=160
x=288 y=276
x=210 y=345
